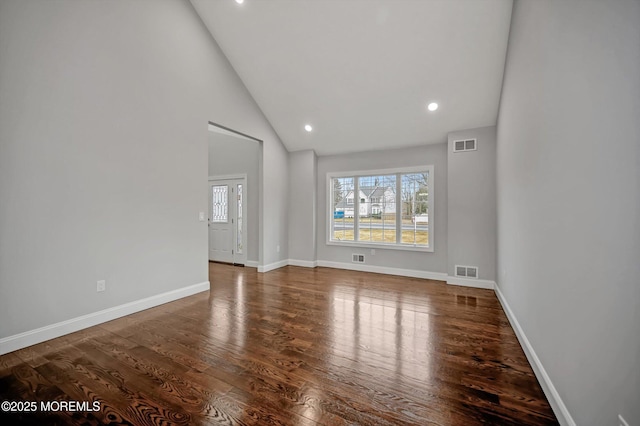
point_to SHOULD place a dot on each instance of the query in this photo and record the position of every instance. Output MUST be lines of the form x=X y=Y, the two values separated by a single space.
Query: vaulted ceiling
x=361 y=72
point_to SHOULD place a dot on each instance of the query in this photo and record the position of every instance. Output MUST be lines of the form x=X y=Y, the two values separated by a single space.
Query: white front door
x=227 y=224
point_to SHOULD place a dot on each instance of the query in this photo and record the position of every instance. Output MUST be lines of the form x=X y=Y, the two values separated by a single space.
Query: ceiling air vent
x=357 y=258
x=467 y=271
x=463 y=145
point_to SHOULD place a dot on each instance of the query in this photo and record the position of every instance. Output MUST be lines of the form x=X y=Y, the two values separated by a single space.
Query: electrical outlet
x=102 y=285
x=278 y=248
x=201 y=217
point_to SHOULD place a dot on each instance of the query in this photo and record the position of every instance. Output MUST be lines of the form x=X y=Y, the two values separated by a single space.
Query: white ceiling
x=361 y=72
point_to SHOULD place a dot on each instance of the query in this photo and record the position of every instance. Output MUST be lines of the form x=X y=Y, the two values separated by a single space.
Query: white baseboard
x=356 y=267
x=559 y=408
x=274 y=265
x=303 y=263
x=39 y=335
x=385 y=270
x=469 y=282
x=251 y=264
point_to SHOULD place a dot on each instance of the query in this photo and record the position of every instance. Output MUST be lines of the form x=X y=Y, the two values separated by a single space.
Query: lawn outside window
x=390 y=208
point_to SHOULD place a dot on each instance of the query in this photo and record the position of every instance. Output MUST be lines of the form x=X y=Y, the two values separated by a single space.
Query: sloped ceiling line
x=362 y=72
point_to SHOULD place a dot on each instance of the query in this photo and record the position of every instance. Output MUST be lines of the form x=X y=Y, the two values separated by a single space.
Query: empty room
x=320 y=212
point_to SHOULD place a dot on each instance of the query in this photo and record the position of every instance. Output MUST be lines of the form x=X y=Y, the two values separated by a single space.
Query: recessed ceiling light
x=308 y=127
x=239 y=1
x=432 y=106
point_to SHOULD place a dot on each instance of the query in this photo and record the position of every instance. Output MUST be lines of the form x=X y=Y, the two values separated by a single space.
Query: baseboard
x=303 y=263
x=39 y=335
x=251 y=264
x=559 y=408
x=355 y=267
x=274 y=265
x=385 y=270
x=469 y=282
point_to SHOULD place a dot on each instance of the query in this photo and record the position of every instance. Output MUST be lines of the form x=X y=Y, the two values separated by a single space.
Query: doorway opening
x=227 y=236
x=234 y=185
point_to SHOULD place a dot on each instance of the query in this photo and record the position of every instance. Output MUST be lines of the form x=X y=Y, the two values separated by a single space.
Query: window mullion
x=398 y=208
x=356 y=209
x=332 y=219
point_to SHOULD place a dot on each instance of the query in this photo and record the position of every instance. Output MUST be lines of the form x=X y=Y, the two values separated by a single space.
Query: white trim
x=392 y=171
x=471 y=282
x=272 y=266
x=439 y=276
x=251 y=263
x=223 y=131
x=227 y=177
x=381 y=246
x=303 y=263
x=559 y=408
x=32 y=337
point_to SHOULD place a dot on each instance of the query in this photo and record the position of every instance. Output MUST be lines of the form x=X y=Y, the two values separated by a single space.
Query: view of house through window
x=377 y=212
x=342 y=195
x=382 y=208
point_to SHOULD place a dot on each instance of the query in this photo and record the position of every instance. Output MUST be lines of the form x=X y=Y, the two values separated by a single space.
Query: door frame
x=245 y=212
x=257 y=190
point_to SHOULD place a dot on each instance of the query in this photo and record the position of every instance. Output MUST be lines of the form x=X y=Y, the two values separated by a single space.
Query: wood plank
x=292 y=346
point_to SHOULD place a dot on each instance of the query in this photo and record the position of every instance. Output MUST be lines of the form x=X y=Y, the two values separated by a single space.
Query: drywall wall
x=302 y=206
x=568 y=173
x=231 y=155
x=275 y=216
x=471 y=198
x=275 y=173
x=435 y=155
x=103 y=154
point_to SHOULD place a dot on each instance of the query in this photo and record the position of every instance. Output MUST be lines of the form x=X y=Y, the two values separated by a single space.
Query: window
x=342 y=223
x=220 y=207
x=240 y=227
x=388 y=208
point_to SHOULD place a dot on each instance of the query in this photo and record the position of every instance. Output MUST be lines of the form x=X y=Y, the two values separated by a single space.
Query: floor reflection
x=229 y=312
x=382 y=332
x=307 y=346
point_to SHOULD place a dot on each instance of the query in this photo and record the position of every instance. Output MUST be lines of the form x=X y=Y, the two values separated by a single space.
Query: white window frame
x=356 y=205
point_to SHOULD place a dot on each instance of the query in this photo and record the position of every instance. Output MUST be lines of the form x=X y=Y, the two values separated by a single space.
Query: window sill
x=363 y=244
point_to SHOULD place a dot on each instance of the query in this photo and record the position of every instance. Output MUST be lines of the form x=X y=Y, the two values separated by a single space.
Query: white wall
x=103 y=154
x=302 y=206
x=471 y=191
x=568 y=172
x=231 y=155
x=397 y=158
x=275 y=216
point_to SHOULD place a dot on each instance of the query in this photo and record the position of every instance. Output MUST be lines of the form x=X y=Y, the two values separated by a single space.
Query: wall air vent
x=463 y=145
x=357 y=258
x=467 y=271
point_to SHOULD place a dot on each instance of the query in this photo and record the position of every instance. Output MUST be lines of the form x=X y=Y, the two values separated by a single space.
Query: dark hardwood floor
x=294 y=346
